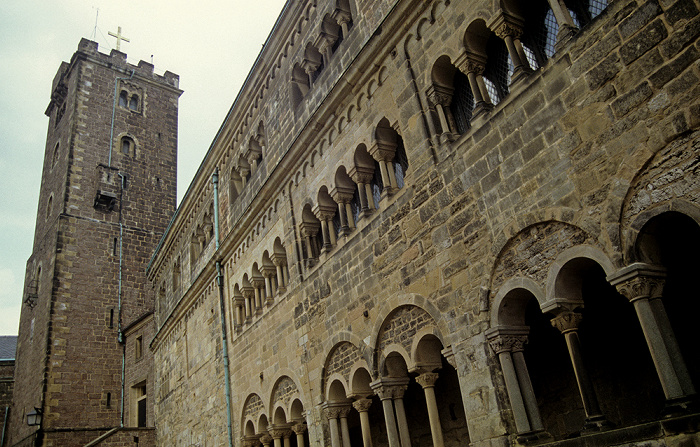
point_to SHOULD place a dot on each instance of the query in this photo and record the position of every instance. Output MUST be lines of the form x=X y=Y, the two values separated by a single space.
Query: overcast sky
x=211 y=44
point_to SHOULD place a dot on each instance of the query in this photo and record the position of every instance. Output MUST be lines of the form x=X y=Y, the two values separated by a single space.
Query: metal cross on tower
x=118 y=36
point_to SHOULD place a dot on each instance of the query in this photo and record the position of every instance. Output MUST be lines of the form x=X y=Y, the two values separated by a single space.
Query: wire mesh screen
x=400 y=162
x=377 y=185
x=499 y=69
x=540 y=37
x=462 y=105
x=595 y=7
x=356 y=205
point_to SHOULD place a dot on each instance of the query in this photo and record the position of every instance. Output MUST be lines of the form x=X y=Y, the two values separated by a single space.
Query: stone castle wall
x=539 y=201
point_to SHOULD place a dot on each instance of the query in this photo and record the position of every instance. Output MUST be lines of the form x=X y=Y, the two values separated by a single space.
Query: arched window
x=583 y=11
x=400 y=162
x=123 y=98
x=498 y=70
x=299 y=85
x=134 y=103
x=462 y=105
x=54 y=159
x=128 y=147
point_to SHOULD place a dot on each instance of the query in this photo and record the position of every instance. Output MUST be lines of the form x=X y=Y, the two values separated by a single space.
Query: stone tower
x=108 y=192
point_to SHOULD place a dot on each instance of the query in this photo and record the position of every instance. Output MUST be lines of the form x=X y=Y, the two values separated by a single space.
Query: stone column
x=427 y=381
x=441 y=97
x=280 y=262
x=474 y=65
x=258 y=283
x=502 y=345
x=345 y=432
x=567 y=27
x=239 y=303
x=362 y=176
x=325 y=214
x=343 y=18
x=310 y=67
x=244 y=172
x=286 y=437
x=568 y=322
x=528 y=393
x=249 y=295
x=332 y=414
x=277 y=434
x=343 y=196
x=642 y=284
x=385 y=393
x=510 y=30
x=401 y=421
x=309 y=230
x=362 y=407
x=383 y=152
x=299 y=428
x=266 y=440
x=269 y=272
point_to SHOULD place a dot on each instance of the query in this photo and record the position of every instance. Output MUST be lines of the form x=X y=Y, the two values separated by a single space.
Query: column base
x=566 y=32
x=680 y=406
x=596 y=424
x=533 y=437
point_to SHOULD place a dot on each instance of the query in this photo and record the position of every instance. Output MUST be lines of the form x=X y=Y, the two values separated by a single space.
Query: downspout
x=120 y=337
x=114 y=108
x=220 y=283
x=4 y=425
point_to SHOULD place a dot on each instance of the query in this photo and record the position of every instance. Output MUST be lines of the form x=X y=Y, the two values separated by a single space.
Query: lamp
x=34 y=417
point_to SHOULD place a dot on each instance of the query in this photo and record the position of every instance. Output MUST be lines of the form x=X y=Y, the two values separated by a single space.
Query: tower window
x=128 y=147
x=138 y=348
x=55 y=155
x=134 y=103
x=123 y=97
x=49 y=205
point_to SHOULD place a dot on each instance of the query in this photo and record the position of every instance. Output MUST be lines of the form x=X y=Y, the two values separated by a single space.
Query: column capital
x=258 y=282
x=639 y=281
x=342 y=194
x=390 y=388
x=265 y=439
x=469 y=62
x=332 y=412
x=362 y=405
x=567 y=321
x=507 y=343
x=247 y=291
x=277 y=433
x=324 y=212
x=440 y=94
x=361 y=174
x=506 y=25
x=309 y=229
x=299 y=428
x=268 y=271
x=427 y=380
x=278 y=259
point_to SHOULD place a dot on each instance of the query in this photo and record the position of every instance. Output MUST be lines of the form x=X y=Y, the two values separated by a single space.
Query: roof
x=8 y=346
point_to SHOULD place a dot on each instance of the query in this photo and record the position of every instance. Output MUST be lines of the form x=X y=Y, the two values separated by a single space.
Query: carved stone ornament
x=509 y=30
x=440 y=95
x=362 y=405
x=508 y=343
x=641 y=287
x=427 y=380
x=299 y=428
x=332 y=412
x=567 y=321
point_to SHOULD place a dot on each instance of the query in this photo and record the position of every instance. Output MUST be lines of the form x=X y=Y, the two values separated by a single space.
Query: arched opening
x=672 y=240
x=451 y=96
x=299 y=85
x=312 y=240
x=498 y=70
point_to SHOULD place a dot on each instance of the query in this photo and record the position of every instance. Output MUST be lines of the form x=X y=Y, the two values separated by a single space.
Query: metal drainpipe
x=120 y=337
x=4 y=425
x=114 y=107
x=220 y=283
